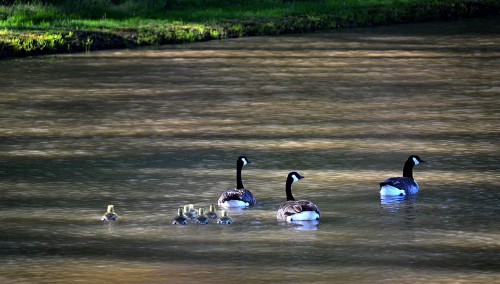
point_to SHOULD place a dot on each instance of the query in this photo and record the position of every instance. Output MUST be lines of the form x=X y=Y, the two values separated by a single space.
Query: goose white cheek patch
x=416 y=161
x=244 y=161
x=295 y=178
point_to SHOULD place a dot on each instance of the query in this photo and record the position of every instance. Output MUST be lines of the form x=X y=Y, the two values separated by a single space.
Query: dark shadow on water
x=234 y=251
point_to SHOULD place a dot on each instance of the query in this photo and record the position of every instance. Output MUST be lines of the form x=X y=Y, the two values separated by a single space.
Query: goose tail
x=382 y=184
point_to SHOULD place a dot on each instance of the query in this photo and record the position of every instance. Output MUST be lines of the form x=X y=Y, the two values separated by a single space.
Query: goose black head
x=243 y=160
x=415 y=159
x=294 y=176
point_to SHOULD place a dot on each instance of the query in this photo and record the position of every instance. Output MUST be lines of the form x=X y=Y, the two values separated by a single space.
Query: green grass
x=132 y=12
x=30 y=27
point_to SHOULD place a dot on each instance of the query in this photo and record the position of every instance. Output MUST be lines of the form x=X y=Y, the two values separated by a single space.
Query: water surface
x=149 y=130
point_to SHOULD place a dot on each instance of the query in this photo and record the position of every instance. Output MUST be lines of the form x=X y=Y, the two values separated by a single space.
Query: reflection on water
x=150 y=130
x=304 y=225
x=392 y=203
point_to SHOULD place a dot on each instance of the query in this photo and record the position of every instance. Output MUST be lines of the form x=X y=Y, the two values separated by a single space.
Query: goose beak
x=301 y=177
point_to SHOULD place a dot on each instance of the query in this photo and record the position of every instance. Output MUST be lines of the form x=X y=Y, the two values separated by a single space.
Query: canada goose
x=296 y=210
x=224 y=219
x=240 y=196
x=110 y=214
x=201 y=219
x=211 y=214
x=190 y=212
x=180 y=219
x=405 y=185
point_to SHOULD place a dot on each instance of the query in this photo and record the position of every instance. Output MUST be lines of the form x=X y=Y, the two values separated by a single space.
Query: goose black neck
x=408 y=169
x=288 y=189
x=239 y=181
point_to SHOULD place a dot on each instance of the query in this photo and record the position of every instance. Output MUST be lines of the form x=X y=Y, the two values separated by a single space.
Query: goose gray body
x=296 y=210
x=235 y=197
x=406 y=185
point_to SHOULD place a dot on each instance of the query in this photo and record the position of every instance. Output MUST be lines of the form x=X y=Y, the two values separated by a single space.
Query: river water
x=149 y=130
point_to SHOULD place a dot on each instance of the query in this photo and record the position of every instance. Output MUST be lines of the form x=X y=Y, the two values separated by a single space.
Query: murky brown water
x=150 y=130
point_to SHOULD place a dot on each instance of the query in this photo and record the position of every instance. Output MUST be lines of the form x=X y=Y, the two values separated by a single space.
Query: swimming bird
x=239 y=196
x=405 y=185
x=190 y=212
x=224 y=219
x=211 y=214
x=296 y=210
x=180 y=219
x=110 y=214
x=201 y=219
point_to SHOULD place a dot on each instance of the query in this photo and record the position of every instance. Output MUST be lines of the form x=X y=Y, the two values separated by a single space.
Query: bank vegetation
x=61 y=26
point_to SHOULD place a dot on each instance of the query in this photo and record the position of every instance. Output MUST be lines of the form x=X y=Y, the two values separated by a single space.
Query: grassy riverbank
x=57 y=26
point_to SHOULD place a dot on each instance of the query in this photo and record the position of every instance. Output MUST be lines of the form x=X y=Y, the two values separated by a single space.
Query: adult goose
x=110 y=214
x=405 y=185
x=239 y=196
x=296 y=210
